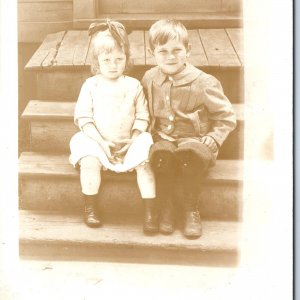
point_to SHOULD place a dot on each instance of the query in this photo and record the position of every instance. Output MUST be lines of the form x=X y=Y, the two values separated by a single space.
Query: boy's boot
x=166 y=224
x=192 y=169
x=91 y=217
x=150 y=224
x=192 y=221
x=165 y=186
x=163 y=162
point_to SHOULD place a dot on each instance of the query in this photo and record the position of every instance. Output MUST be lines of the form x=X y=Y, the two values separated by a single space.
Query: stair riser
x=64 y=85
x=216 y=201
x=55 y=135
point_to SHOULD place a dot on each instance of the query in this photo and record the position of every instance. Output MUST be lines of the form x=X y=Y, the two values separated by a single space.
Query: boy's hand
x=210 y=143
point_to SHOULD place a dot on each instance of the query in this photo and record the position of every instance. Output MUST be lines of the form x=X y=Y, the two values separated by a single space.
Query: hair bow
x=115 y=29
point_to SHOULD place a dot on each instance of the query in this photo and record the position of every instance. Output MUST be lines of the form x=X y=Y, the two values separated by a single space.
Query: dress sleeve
x=83 y=113
x=141 y=111
x=221 y=113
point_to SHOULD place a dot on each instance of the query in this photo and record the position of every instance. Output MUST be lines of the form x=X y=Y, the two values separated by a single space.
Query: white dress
x=115 y=111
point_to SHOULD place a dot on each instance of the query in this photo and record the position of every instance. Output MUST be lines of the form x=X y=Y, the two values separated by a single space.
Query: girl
x=112 y=115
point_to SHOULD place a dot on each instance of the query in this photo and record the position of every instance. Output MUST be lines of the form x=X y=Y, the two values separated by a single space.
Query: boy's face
x=112 y=64
x=171 y=57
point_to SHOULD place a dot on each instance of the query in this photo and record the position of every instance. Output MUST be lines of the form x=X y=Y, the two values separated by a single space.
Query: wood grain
x=237 y=39
x=46 y=52
x=218 y=48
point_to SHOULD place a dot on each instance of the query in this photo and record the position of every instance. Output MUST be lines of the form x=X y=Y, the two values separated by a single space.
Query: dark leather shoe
x=91 y=218
x=192 y=224
x=150 y=225
x=166 y=224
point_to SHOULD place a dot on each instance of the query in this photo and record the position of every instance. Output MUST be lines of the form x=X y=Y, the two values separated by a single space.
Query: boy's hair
x=106 y=37
x=165 y=30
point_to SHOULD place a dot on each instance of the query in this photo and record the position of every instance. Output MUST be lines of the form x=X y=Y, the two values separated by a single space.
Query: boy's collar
x=187 y=75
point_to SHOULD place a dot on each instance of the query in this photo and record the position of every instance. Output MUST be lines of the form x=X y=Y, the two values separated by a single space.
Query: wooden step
x=49 y=182
x=54 y=236
x=51 y=128
x=62 y=62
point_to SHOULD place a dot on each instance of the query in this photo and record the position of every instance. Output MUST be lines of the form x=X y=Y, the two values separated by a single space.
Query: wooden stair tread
x=41 y=164
x=221 y=47
x=46 y=228
x=38 y=109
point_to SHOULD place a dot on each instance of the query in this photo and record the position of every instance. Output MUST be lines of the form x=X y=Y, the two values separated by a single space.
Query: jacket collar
x=186 y=76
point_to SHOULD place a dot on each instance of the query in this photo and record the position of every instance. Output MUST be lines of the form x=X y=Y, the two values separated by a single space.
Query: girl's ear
x=188 y=50
x=150 y=51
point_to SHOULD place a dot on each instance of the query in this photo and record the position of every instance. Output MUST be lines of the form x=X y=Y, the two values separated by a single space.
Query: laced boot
x=150 y=225
x=166 y=224
x=91 y=217
x=192 y=221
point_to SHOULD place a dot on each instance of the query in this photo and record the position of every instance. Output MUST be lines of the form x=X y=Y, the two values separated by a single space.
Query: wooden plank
x=84 y=9
x=191 y=20
x=167 y=6
x=45 y=12
x=49 y=136
x=236 y=36
x=33 y=32
x=58 y=165
x=50 y=227
x=73 y=49
x=60 y=84
x=150 y=60
x=46 y=51
x=197 y=55
x=89 y=56
x=37 y=109
x=137 y=46
x=81 y=49
x=232 y=5
x=39 y=1
x=218 y=48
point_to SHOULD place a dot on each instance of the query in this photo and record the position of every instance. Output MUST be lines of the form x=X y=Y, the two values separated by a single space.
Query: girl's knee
x=90 y=162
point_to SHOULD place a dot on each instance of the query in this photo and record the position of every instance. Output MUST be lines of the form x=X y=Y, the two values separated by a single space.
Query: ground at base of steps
x=101 y=280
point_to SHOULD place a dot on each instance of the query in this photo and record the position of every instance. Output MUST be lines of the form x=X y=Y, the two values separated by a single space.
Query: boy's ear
x=150 y=51
x=189 y=48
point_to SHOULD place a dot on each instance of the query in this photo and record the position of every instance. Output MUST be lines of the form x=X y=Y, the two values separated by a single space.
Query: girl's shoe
x=150 y=225
x=91 y=217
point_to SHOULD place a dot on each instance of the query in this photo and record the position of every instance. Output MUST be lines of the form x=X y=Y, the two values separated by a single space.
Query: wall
x=37 y=18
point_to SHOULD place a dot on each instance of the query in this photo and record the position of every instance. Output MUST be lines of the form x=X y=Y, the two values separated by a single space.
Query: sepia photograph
x=152 y=158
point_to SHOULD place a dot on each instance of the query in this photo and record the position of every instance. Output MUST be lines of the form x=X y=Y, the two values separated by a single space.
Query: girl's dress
x=115 y=111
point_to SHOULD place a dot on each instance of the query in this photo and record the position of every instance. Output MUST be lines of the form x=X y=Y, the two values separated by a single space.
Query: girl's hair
x=106 y=37
x=163 y=31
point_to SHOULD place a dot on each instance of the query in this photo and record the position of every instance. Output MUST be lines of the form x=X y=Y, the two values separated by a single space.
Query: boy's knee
x=191 y=162
x=162 y=158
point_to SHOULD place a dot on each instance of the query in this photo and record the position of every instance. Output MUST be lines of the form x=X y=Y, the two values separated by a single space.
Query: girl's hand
x=124 y=149
x=210 y=143
x=105 y=145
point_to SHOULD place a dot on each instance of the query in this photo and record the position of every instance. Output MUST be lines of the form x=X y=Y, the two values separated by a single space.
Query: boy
x=191 y=118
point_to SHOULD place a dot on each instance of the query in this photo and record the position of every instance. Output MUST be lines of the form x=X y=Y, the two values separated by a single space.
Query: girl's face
x=171 y=57
x=112 y=64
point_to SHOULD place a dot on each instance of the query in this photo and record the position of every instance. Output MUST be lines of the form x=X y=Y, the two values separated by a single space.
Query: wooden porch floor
x=210 y=47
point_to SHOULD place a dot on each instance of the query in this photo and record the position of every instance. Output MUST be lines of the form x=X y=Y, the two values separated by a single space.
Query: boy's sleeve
x=83 y=113
x=221 y=113
x=141 y=111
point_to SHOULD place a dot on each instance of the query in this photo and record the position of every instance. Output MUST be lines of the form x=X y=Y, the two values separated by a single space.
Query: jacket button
x=167 y=98
x=171 y=118
x=169 y=127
